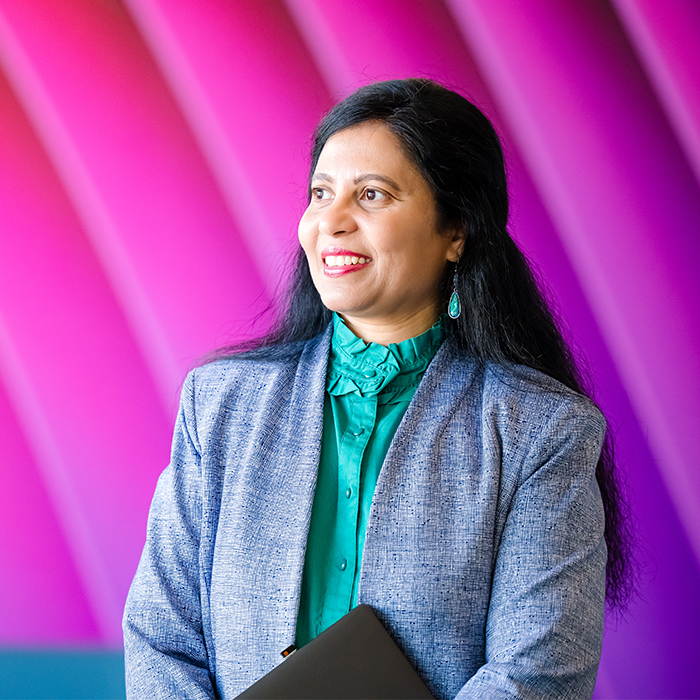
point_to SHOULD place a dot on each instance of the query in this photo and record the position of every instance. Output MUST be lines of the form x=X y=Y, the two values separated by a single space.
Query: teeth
x=344 y=260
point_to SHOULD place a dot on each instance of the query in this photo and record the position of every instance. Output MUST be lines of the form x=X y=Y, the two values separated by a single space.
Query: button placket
x=351 y=453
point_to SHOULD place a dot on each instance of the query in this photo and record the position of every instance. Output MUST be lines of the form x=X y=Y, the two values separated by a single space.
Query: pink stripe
x=263 y=83
x=131 y=169
x=37 y=608
x=666 y=36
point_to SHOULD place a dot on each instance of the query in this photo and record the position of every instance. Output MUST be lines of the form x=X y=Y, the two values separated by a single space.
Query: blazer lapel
x=302 y=441
x=446 y=381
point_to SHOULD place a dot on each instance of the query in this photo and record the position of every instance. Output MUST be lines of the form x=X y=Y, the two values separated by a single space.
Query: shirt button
x=348 y=492
x=342 y=565
x=357 y=432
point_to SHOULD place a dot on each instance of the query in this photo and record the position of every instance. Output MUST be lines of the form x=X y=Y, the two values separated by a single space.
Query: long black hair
x=505 y=318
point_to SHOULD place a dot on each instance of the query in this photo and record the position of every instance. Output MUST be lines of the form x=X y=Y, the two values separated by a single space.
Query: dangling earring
x=454 y=308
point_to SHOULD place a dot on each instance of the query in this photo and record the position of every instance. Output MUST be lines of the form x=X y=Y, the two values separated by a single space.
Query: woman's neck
x=397 y=330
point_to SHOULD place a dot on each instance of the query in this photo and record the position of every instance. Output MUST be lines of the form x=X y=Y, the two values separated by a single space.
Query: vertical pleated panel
x=153 y=159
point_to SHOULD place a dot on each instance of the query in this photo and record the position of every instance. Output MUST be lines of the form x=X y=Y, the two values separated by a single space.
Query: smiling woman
x=370 y=202
x=449 y=472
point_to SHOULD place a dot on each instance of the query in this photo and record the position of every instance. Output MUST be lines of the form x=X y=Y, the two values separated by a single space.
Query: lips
x=336 y=260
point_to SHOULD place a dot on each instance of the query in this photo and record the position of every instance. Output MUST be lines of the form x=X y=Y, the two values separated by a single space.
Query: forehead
x=366 y=147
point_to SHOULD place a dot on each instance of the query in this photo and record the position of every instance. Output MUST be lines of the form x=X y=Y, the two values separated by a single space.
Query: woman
x=447 y=471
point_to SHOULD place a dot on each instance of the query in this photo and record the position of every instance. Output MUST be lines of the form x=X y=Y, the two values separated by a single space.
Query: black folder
x=354 y=658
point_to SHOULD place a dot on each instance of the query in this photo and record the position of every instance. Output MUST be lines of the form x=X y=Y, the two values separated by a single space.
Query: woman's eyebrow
x=365 y=177
x=377 y=176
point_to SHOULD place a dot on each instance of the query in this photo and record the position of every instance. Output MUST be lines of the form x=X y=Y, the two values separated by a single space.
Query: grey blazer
x=484 y=554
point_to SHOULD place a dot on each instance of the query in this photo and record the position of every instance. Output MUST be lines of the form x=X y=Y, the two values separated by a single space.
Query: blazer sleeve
x=165 y=652
x=545 y=619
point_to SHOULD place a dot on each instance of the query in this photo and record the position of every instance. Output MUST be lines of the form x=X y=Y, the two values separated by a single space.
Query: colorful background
x=153 y=156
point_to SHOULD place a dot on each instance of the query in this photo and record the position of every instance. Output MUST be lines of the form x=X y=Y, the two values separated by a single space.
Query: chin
x=340 y=306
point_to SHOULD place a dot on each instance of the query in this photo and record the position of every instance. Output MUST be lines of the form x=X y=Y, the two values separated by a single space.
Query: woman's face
x=371 y=238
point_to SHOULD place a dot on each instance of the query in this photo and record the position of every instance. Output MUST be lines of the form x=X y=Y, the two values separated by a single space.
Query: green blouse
x=368 y=389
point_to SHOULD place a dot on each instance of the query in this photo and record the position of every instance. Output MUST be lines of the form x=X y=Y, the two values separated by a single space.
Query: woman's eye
x=374 y=195
x=319 y=193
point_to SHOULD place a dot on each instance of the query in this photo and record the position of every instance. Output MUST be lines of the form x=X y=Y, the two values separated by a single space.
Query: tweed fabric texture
x=484 y=553
x=368 y=389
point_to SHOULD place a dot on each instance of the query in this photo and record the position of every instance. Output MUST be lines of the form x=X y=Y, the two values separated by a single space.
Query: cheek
x=307 y=240
x=304 y=233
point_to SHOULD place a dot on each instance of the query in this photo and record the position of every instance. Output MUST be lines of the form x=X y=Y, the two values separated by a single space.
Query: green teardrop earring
x=454 y=308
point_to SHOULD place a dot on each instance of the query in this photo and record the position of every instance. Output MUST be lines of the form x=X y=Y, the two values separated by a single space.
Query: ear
x=456 y=248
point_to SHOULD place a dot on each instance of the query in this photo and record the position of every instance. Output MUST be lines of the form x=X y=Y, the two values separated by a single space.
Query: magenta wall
x=152 y=167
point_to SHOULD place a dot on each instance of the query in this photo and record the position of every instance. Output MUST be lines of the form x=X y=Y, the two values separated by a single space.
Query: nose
x=337 y=218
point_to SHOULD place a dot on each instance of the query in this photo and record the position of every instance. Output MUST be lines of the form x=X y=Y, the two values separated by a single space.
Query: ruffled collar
x=367 y=369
